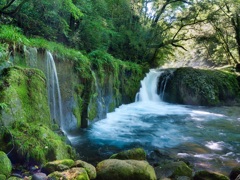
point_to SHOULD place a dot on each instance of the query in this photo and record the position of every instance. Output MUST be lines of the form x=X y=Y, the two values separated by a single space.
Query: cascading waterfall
x=148 y=90
x=54 y=95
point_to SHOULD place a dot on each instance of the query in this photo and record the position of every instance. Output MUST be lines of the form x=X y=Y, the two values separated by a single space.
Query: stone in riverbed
x=235 y=173
x=173 y=170
x=58 y=165
x=70 y=174
x=90 y=169
x=206 y=175
x=125 y=169
x=136 y=153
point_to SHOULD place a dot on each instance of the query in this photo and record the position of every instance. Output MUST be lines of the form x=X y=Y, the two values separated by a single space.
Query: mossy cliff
x=25 y=118
x=200 y=87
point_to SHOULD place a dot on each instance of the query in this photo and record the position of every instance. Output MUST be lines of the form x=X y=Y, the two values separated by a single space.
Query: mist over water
x=206 y=137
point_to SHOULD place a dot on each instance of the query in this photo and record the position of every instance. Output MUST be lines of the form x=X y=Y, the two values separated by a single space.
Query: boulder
x=173 y=170
x=2 y=177
x=136 y=153
x=235 y=173
x=58 y=165
x=125 y=169
x=70 y=174
x=206 y=175
x=199 y=87
x=39 y=176
x=90 y=169
x=14 y=178
x=5 y=164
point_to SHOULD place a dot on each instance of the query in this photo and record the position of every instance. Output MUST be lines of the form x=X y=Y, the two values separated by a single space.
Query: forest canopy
x=141 y=31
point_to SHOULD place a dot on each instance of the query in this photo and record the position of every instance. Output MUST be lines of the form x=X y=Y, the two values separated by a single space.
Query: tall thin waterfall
x=54 y=95
x=148 y=90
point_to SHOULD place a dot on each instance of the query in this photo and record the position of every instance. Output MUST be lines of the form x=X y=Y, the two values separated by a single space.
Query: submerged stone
x=206 y=175
x=235 y=173
x=125 y=169
x=173 y=170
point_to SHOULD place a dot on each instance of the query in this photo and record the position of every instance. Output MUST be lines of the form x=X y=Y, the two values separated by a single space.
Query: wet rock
x=235 y=173
x=39 y=176
x=136 y=153
x=58 y=165
x=237 y=68
x=173 y=170
x=124 y=169
x=70 y=174
x=206 y=175
x=5 y=164
x=90 y=169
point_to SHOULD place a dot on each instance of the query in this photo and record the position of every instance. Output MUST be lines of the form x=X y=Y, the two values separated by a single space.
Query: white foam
x=218 y=146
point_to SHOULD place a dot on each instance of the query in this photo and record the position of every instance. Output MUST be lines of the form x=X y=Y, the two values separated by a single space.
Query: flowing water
x=54 y=95
x=208 y=138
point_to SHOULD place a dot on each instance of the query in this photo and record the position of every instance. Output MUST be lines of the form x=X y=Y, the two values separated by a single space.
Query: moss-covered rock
x=206 y=175
x=14 y=178
x=71 y=174
x=2 y=177
x=235 y=173
x=90 y=169
x=58 y=165
x=136 y=153
x=201 y=87
x=173 y=170
x=5 y=164
x=124 y=169
x=26 y=119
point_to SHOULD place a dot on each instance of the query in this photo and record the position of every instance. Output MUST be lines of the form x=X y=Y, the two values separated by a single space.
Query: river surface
x=207 y=137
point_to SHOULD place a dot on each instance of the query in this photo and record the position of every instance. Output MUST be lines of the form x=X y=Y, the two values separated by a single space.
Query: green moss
x=5 y=164
x=205 y=175
x=202 y=87
x=136 y=153
x=2 y=177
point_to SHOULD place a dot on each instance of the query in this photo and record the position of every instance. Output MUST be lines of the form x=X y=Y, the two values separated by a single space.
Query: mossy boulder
x=58 y=165
x=2 y=177
x=124 y=169
x=206 y=175
x=90 y=169
x=235 y=173
x=5 y=165
x=71 y=174
x=136 y=153
x=173 y=170
x=14 y=178
x=200 y=87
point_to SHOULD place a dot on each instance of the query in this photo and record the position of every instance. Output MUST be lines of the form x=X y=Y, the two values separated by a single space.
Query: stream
x=207 y=137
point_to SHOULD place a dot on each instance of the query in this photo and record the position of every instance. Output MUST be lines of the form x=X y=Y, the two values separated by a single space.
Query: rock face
x=6 y=166
x=26 y=118
x=125 y=169
x=200 y=87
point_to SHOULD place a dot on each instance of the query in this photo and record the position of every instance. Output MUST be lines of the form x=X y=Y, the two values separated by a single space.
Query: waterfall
x=148 y=90
x=54 y=95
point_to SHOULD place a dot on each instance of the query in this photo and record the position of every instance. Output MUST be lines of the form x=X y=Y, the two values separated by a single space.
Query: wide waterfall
x=206 y=137
x=54 y=94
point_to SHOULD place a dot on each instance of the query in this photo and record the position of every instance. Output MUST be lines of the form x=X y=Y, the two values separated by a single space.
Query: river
x=207 y=137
